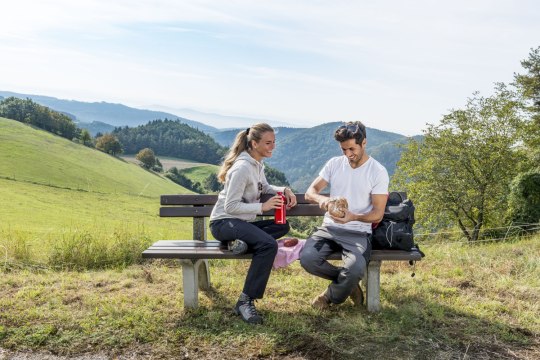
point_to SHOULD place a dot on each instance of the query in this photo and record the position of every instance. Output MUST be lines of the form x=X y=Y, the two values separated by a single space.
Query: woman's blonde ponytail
x=242 y=142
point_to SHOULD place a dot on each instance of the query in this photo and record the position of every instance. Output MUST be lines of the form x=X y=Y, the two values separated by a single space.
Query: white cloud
x=313 y=61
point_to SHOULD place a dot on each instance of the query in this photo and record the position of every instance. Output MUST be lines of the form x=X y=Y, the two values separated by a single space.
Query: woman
x=239 y=203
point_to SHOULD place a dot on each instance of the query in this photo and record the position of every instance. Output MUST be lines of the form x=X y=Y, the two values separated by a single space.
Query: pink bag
x=286 y=255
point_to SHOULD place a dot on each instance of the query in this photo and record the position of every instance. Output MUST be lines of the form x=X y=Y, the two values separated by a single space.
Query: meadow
x=169 y=162
x=465 y=302
x=73 y=282
x=199 y=173
x=56 y=203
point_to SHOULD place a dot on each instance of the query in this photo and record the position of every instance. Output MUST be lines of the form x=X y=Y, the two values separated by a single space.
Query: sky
x=394 y=65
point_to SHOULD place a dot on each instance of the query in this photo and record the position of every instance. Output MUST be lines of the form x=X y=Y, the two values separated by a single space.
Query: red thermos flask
x=279 y=214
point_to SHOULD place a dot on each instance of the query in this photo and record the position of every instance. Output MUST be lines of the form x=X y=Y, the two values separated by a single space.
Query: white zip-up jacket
x=240 y=198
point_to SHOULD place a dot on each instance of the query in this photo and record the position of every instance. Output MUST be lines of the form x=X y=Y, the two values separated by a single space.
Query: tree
x=275 y=177
x=175 y=175
x=212 y=184
x=31 y=113
x=460 y=173
x=524 y=204
x=109 y=143
x=86 y=138
x=529 y=86
x=146 y=157
x=158 y=167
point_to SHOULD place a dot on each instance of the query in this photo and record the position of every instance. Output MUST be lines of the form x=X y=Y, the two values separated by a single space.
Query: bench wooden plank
x=180 y=249
x=204 y=199
x=192 y=200
x=205 y=211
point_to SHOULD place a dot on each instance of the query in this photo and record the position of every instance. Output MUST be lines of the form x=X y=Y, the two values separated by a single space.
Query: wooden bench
x=194 y=253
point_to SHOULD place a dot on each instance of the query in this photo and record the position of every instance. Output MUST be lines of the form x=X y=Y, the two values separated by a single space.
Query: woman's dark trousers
x=260 y=236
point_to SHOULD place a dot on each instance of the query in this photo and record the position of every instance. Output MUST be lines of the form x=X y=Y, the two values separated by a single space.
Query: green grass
x=167 y=162
x=473 y=302
x=199 y=173
x=48 y=216
x=36 y=156
x=39 y=221
x=465 y=302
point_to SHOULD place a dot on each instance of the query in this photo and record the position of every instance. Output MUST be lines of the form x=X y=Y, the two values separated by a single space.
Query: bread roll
x=290 y=242
x=337 y=206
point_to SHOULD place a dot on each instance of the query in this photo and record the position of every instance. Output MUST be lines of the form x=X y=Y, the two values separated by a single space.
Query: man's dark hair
x=352 y=130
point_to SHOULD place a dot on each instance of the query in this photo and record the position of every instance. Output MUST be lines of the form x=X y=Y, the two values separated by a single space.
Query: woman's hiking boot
x=245 y=307
x=237 y=247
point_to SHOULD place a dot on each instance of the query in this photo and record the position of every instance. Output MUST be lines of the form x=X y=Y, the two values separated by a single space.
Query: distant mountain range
x=300 y=152
x=103 y=116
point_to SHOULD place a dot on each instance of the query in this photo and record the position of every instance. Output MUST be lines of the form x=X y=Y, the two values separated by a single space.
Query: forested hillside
x=226 y=137
x=28 y=112
x=301 y=152
x=171 y=138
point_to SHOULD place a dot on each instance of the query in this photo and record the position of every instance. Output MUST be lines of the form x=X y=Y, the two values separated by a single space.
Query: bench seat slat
x=186 y=243
x=214 y=250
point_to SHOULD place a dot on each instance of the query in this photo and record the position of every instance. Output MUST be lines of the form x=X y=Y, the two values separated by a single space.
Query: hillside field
x=36 y=156
x=54 y=190
x=199 y=173
x=465 y=302
x=168 y=162
x=73 y=224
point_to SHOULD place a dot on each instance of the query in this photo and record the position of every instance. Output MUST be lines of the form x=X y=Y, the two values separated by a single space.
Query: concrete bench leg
x=195 y=275
x=373 y=287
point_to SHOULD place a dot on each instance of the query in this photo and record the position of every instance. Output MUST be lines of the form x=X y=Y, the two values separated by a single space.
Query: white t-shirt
x=355 y=185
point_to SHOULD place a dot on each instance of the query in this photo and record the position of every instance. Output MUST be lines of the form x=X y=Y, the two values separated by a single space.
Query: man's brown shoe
x=357 y=296
x=321 y=302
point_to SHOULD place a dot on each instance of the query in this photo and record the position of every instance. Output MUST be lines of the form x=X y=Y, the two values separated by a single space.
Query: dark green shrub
x=524 y=201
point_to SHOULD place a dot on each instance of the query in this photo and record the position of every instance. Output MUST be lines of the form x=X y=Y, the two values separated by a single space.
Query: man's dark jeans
x=355 y=250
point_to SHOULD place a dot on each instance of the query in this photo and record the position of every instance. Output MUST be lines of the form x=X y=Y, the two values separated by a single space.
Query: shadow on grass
x=410 y=327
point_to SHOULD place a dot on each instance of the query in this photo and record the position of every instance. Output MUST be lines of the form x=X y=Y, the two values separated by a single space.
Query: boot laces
x=251 y=307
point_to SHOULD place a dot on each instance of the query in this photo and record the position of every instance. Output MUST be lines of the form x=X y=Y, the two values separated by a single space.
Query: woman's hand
x=275 y=202
x=291 y=198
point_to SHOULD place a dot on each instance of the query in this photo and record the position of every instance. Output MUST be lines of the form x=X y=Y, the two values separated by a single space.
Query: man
x=364 y=183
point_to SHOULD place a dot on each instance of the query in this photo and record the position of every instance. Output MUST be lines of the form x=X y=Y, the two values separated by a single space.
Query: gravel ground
x=23 y=355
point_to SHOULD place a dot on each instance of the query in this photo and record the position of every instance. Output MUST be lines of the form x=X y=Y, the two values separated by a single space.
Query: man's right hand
x=323 y=203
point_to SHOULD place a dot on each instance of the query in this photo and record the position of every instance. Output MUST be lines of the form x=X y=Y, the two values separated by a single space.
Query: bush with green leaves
x=524 y=202
x=147 y=157
x=179 y=178
x=109 y=144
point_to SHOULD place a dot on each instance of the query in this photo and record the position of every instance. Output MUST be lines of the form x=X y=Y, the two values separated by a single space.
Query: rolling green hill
x=36 y=156
x=54 y=191
x=199 y=173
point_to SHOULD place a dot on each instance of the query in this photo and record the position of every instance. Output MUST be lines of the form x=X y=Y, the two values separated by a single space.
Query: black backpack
x=395 y=231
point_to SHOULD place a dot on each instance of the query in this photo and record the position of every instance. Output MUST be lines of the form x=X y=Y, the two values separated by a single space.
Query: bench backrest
x=202 y=205
x=199 y=208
